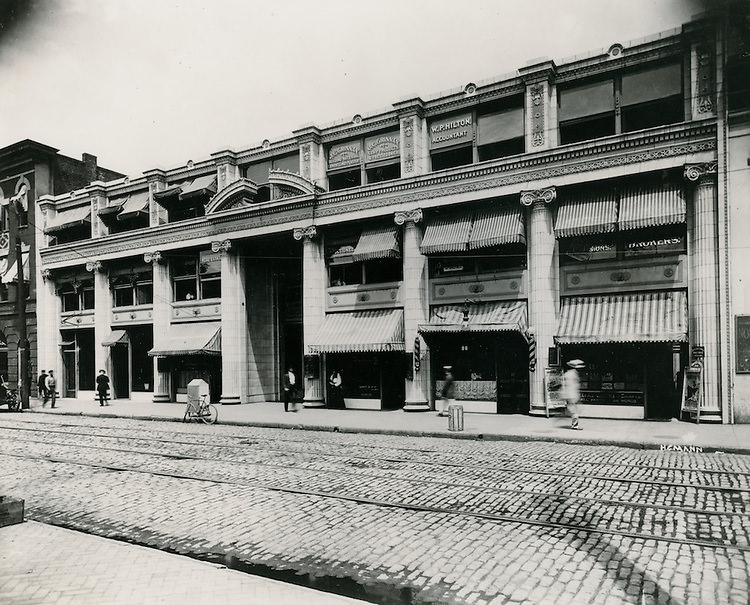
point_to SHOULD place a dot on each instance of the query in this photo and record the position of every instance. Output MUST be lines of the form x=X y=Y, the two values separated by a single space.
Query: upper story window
x=77 y=296
x=371 y=159
x=508 y=257
x=133 y=289
x=451 y=141
x=69 y=225
x=630 y=101
x=187 y=199
x=371 y=257
x=196 y=276
x=257 y=172
x=667 y=240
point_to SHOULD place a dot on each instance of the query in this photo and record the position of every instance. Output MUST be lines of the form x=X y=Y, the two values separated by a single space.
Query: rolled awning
x=137 y=203
x=651 y=207
x=189 y=339
x=71 y=217
x=361 y=331
x=198 y=185
x=497 y=226
x=587 y=216
x=377 y=243
x=652 y=317
x=500 y=316
x=447 y=234
x=115 y=337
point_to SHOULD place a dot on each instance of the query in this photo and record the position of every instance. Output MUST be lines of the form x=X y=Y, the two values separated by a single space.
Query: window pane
x=290 y=163
x=587 y=100
x=383 y=173
x=185 y=289
x=384 y=270
x=346 y=275
x=184 y=266
x=500 y=126
x=211 y=288
x=344 y=180
x=123 y=296
x=652 y=84
x=144 y=294
x=71 y=301
x=258 y=173
x=453 y=158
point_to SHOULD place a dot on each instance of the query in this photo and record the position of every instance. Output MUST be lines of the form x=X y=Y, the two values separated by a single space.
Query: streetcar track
x=402 y=505
x=507 y=456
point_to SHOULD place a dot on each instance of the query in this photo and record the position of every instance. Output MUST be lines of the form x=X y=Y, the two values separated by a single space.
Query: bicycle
x=11 y=396
x=205 y=411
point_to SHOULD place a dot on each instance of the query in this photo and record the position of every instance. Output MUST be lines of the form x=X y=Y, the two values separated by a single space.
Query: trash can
x=196 y=389
x=455 y=418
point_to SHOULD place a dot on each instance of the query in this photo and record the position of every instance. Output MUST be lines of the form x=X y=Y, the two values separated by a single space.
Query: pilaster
x=416 y=310
x=227 y=170
x=702 y=79
x=161 y=320
x=541 y=105
x=311 y=154
x=98 y=193
x=544 y=285
x=704 y=283
x=233 y=325
x=314 y=281
x=49 y=310
x=102 y=315
x=157 y=181
x=415 y=151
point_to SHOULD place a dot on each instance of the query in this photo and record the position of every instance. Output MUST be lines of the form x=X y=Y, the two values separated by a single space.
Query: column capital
x=155 y=257
x=696 y=172
x=223 y=246
x=546 y=195
x=95 y=266
x=408 y=216
x=309 y=232
x=46 y=274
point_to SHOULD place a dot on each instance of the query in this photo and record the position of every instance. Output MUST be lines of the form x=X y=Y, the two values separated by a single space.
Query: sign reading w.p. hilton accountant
x=455 y=130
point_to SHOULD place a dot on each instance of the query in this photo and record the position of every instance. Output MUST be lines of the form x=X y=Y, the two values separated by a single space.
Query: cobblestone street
x=396 y=519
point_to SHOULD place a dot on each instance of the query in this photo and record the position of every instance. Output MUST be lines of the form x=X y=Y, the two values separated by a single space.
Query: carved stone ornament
x=408 y=216
x=536 y=93
x=540 y=195
x=305 y=232
x=222 y=246
x=46 y=274
x=694 y=172
x=153 y=257
x=95 y=266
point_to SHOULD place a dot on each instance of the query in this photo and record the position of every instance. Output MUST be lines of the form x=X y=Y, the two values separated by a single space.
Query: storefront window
x=669 y=240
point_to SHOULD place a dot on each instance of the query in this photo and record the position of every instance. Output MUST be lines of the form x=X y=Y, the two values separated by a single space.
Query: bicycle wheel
x=209 y=414
x=14 y=403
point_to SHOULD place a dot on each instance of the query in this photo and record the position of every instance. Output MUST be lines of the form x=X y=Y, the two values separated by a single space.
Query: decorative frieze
x=309 y=232
x=408 y=216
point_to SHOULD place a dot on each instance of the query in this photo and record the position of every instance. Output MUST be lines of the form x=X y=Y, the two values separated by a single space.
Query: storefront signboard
x=382 y=147
x=210 y=262
x=455 y=130
x=742 y=323
x=692 y=388
x=345 y=155
x=612 y=397
x=553 y=380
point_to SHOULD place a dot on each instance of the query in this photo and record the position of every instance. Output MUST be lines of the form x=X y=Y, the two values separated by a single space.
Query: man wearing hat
x=572 y=391
x=448 y=392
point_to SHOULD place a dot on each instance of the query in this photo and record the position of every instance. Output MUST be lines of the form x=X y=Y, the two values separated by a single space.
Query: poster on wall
x=692 y=390
x=742 y=323
x=553 y=382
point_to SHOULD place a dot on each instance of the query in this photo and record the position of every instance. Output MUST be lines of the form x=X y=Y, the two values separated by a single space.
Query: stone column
x=311 y=154
x=415 y=148
x=704 y=283
x=314 y=281
x=227 y=170
x=541 y=105
x=416 y=308
x=102 y=316
x=157 y=181
x=49 y=310
x=162 y=316
x=98 y=193
x=233 y=325
x=543 y=285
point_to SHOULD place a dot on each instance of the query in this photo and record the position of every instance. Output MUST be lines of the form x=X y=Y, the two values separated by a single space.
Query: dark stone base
x=11 y=511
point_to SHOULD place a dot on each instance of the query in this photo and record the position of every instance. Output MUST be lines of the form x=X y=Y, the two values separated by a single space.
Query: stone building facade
x=576 y=210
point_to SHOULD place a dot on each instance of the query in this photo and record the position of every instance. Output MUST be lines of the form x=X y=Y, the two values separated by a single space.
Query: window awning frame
x=651 y=207
x=65 y=219
x=189 y=339
x=495 y=316
x=377 y=243
x=589 y=215
x=374 y=331
x=116 y=337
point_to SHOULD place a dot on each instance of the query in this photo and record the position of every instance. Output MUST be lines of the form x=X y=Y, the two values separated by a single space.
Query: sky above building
x=147 y=84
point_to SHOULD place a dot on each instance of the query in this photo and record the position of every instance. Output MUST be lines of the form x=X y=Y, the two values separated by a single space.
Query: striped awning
x=651 y=207
x=189 y=339
x=377 y=243
x=447 y=234
x=652 y=317
x=136 y=203
x=71 y=217
x=360 y=331
x=206 y=183
x=587 y=216
x=11 y=273
x=497 y=226
x=501 y=316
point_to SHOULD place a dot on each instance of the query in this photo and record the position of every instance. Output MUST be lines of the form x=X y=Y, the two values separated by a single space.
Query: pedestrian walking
x=102 y=387
x=51 y=383
x=289 y=382
x=448 y=392
x=336 y=398
x=41 y=387
x=572 y=391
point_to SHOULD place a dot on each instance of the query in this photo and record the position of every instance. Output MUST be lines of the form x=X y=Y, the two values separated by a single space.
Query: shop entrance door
x=70 y=371
x=661 y=392
x=121 y=371
x=512 y=374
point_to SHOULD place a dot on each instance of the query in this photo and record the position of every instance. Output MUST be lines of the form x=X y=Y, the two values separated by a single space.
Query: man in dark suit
x=289 y=383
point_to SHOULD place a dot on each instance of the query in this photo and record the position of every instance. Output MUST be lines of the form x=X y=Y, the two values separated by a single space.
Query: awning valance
x=109 y=211
x=500 y=316
x=652 y=207
x=189 y=339
x=497 y=226
x=447 y=234
x=377 y=243
x=198 y=185
x=115 y=337
x=69 y=218
x=361 y=331
x=587 y=216
x=651 y=317
x=137 y=203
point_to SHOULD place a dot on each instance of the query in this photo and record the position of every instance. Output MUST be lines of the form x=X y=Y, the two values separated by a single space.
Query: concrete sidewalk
x=46 y=564
x=629 y=433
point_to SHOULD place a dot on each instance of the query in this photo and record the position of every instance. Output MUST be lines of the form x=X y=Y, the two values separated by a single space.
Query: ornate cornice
x=696 y=172
x=408 y=216
x=543 y=196
x=309 y=232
